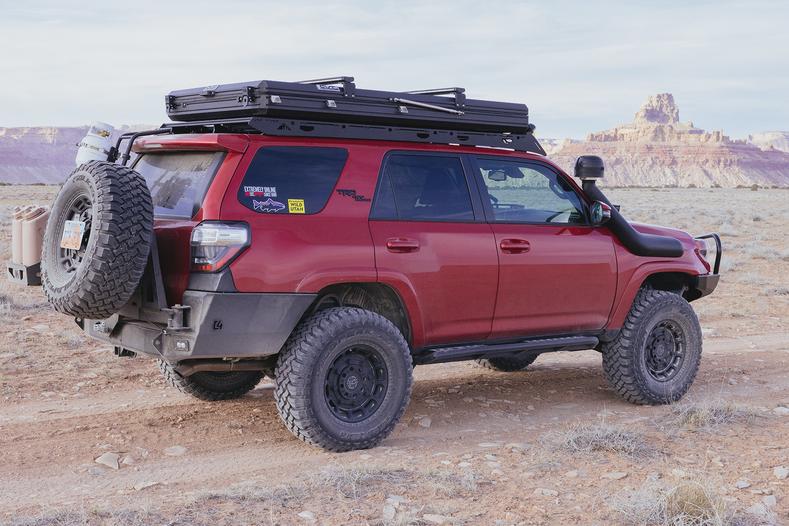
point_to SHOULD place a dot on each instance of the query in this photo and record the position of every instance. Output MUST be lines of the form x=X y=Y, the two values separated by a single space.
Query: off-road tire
x=212 y=386
x=508 y=364
x=625 y=359
x=108 y=267
x=304 y=373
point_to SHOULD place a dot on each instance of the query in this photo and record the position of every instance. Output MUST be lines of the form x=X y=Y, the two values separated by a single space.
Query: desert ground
x=551 y=445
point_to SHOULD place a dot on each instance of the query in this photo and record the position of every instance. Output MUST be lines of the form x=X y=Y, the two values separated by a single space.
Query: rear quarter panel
x=305 y=253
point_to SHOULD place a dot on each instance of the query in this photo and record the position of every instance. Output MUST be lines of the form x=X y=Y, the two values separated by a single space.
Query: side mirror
x=600 y=213
x=589 y=167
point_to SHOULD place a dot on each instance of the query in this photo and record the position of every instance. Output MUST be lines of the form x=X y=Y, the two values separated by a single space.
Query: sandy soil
x=475 y=446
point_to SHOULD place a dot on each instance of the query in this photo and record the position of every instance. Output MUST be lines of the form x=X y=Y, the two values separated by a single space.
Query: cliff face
x=38 y=155
x=42 y=155
x=778 y=140
x=656 y=149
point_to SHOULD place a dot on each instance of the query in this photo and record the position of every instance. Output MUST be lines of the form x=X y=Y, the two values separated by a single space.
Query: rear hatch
x=187 y=177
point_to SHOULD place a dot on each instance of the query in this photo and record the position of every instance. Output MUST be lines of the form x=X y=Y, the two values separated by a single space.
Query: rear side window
x=423 y=188
x=178 y=181
x=291 y=179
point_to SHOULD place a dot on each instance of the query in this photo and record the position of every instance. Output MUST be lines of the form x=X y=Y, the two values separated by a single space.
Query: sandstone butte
x=656 y=149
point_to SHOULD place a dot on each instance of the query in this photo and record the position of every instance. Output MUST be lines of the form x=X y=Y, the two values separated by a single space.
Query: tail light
x=216 y=244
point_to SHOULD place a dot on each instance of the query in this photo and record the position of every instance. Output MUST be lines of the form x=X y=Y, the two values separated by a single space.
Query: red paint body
x=459 y=282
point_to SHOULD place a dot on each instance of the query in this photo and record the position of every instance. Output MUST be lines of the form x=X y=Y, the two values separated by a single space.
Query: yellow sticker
x=296 y=206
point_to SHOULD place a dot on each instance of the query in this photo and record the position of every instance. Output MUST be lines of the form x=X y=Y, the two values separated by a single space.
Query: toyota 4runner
x=332 y=238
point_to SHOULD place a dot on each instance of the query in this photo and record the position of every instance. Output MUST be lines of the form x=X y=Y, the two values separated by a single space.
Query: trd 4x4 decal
x=347 y=192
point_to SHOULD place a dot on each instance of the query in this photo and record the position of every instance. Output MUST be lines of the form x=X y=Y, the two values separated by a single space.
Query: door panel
x=431 y=241
x=453 y=272
x=564 y=282
x=557 y=274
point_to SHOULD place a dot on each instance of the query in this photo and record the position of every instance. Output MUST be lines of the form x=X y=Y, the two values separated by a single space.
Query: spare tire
x=110 y=217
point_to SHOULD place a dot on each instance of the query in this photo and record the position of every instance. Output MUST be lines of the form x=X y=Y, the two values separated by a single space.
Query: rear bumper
x=216 y=325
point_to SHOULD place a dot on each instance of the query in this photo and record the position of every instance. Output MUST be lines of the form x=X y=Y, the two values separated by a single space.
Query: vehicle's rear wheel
x=343 y=379
x=508 y=364
x=108 y=208
x=212 y=385
x=655 y=357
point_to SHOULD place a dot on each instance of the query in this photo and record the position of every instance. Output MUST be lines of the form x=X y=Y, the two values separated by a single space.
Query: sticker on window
x=260 y=191
x=296 y=206
x=269 y=206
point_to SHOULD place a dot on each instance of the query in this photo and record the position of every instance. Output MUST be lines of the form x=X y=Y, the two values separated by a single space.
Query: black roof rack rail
x=524 y=142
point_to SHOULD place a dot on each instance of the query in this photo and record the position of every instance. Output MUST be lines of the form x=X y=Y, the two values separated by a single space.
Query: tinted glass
x=291 y=179
x=178 y=180
x=423 y=187
x=529 y=193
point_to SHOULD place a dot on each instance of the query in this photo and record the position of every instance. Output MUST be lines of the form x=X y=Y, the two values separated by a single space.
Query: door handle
x=400 y=244
x=514 y=246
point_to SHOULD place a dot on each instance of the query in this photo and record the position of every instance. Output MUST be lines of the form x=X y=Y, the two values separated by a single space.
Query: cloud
x=579 y=66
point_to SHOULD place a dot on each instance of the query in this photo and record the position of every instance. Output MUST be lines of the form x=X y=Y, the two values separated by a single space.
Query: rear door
x=432 y=244
x=557 y=273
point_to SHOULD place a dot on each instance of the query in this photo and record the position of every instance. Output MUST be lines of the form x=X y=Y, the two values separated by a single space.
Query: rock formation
x=43 y=154
x=657 y=149
x=778 y=140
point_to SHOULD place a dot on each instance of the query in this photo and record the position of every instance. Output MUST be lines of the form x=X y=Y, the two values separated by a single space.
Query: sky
x=579 y=66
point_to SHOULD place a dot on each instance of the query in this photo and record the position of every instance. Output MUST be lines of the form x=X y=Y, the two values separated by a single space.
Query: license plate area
x=72 y=235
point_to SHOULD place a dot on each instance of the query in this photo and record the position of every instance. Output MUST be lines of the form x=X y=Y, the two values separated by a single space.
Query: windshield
x=178 y=181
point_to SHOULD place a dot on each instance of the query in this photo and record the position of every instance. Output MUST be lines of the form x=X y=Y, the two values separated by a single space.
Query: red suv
x=333 y=264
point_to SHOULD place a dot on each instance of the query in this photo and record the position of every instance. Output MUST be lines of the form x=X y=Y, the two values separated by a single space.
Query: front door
x=434 y=247
x=557 y=273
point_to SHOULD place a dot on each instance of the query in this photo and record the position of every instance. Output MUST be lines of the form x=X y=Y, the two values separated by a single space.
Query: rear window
x=178 y=180
x=291 y=179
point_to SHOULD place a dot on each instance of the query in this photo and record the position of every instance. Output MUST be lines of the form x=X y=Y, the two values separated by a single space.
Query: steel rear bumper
x=215 y=325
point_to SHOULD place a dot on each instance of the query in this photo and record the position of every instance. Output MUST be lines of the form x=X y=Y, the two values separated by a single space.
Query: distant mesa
x=657 y=149
x=42 y=154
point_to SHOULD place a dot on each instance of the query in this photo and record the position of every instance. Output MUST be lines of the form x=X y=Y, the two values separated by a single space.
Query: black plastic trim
x=705 y=284
x=536 y=345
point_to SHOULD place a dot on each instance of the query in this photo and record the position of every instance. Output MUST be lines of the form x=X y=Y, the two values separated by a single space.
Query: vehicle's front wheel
x=656 y=355
x=343 y=379
x=212 y=386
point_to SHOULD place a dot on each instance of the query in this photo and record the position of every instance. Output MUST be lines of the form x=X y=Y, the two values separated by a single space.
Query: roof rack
x=335 y=107
x=525 y=142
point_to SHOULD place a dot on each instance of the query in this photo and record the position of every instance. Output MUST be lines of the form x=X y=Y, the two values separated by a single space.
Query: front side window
x=423 y=188
x=291 y=179
x=178 y=181
x=523 y=192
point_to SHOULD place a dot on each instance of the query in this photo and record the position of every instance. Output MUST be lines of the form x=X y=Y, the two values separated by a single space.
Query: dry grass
x=689 y=503
x=354 y=483
x=585 y=438
x=709 y=414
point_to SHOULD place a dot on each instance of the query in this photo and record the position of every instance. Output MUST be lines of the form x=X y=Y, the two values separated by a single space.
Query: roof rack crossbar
x=459 y=93
x=525 y=142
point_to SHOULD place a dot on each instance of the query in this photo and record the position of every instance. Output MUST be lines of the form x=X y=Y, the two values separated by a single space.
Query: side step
x=531 y=346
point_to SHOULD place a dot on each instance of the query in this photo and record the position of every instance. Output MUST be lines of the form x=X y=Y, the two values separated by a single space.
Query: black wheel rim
x=665 y=351
x=79 y=209
x=356 y=384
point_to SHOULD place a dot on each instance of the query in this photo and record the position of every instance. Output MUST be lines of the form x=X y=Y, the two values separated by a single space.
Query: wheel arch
x=375 y=297
x=677 y=280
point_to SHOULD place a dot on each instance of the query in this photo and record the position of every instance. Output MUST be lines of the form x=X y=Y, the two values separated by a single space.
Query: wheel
x=508 y=364
x=343 y=379
x=655 y=357
x=210 y=385
x=98 y=275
